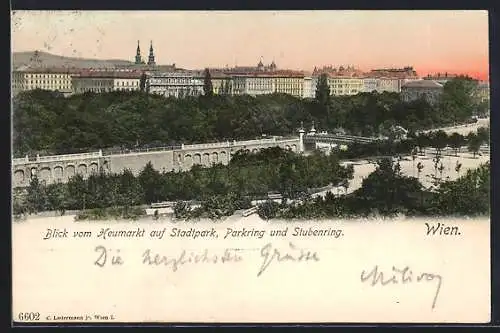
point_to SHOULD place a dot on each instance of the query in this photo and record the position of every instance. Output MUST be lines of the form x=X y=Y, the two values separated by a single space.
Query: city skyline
x=430 y=41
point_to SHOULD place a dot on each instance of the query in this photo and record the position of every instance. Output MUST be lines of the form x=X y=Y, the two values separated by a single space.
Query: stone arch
x=58 y=173
x=206 y=159
x=46 y=174
x=223 y=157
x=19 y=176
x=197 y=158
x=255 y=151
x=294 y=147
x=179 y=158
x=188 y=161
x=287 y=147
x=215 y=157
x=70 y=171
x=93 y=167
x=82 y=169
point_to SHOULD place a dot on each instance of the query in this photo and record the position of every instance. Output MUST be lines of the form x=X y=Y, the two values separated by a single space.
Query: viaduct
x=60 y=168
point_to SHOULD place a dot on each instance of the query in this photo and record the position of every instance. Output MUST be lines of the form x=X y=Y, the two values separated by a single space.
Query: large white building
x=388 y=79
x=175 y=84
x=341 y=86
x=55 y=79
x=426 y=89
x=263 y=83
x=106 y=80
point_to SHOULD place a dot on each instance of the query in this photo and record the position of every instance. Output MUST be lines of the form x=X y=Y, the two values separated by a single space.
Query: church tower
x=151 y=58
x=138 y=58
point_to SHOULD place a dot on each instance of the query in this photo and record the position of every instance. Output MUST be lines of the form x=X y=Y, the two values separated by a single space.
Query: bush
x=268 y=210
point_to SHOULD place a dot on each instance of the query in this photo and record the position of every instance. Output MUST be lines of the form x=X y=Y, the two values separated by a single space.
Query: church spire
x=138 y=58
x=151 y=58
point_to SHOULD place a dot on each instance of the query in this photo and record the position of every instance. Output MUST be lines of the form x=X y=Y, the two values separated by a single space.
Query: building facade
x=342 y=86
x=281 y=82
x=309 y=89
x=289 y=82
x=385 y=84
x=427 y=89
x=99 y=81
x=370 y=85
x=174 y=84
x=54 y=79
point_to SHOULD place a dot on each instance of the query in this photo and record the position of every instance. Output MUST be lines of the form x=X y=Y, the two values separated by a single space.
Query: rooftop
x=423 y=84
x=277 y=73
x=49 y=70
x=111 y=74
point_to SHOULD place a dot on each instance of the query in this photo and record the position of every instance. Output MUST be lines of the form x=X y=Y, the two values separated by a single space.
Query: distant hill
x=44 y=59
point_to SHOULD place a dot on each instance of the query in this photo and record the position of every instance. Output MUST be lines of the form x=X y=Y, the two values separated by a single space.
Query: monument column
x=301 y=137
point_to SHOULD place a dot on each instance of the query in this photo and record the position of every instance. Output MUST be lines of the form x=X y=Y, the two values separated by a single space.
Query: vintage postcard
x=250 y=167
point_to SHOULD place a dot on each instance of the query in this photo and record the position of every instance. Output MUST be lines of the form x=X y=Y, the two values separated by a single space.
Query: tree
x=218 y=206
x=52 y=124
x=439 y=140
x=468 y=195
x=208 y=88
x=458 y=166
x=423 y=141
x=388 y=191
x=35 y=197
x=268 y=210
x=18 y=208
x=77 y=192
x=474 y=143
x=323 y=90
x=142 y=83
x=56 y=197
x=458 y=98
x=149 y=178
x=483 y=134
x=182 y=210
x=483 y=108
x=456 y=141
x=129 y=189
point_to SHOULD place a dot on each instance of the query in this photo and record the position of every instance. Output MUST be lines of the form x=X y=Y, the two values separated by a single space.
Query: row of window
x=94 y=89
x=128 y=83
x=345 y=81
x=50 y=87
x=46 y=76
x=175 y=90
x=47 y=82
x=175 y=81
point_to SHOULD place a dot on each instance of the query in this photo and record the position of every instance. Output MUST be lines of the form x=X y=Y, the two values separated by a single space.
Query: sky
x=430 y=41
